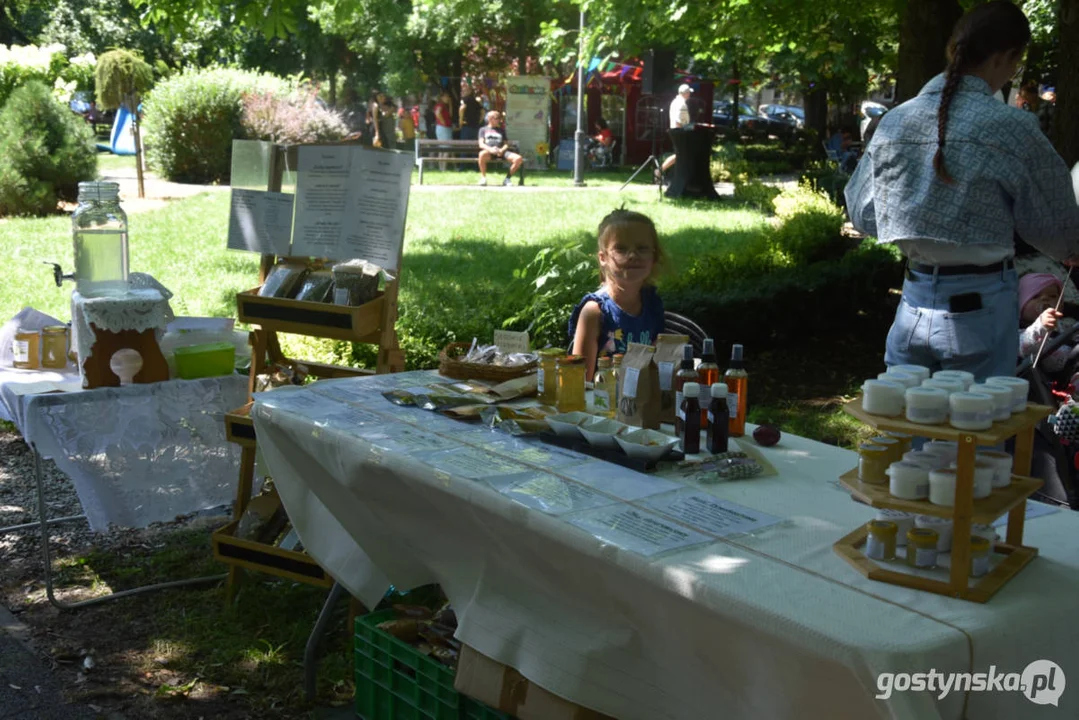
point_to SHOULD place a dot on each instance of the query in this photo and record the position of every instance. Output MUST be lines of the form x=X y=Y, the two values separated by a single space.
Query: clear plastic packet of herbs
x=731 y=466
x=284 y=280
x=402 y=398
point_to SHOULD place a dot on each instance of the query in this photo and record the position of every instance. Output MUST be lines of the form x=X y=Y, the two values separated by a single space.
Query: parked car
x=790 y=114
x=721 y=114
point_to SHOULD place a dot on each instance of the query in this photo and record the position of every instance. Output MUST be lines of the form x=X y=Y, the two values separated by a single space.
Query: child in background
x=626 y=308
x=1038 y=295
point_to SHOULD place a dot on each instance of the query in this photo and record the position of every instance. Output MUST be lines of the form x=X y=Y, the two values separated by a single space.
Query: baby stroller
x=1056 y=456
x=599 y=155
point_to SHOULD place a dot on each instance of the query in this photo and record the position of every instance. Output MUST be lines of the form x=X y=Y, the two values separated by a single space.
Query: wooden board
x=239 y=427
x=1001 y=430
x=850 y=549
x=267 y=559
x=985 y=510
x=340 y=322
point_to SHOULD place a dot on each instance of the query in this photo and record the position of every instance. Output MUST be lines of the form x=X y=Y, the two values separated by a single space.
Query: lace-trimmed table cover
x=141 y=454
x=145 y=306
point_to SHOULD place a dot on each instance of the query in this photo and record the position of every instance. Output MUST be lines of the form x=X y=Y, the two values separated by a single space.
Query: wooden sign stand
x=372 y=323
x=967 y=511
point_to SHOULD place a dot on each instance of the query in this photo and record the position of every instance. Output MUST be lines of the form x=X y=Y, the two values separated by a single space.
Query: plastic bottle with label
x=691 y=418
x=718 y=420
x=709 y=374
x=685 y=374
x=737 y=381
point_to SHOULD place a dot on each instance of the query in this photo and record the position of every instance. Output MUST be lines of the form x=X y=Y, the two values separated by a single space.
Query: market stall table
x=644 y=597
x=136 y=454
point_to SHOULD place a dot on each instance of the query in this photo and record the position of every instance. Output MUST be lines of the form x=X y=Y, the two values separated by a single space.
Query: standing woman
x=950 y=177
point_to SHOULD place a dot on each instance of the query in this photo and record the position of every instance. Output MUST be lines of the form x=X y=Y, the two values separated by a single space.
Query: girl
x=1038 y=295
x=443 y=123
x=950 y=177
x=626 y=308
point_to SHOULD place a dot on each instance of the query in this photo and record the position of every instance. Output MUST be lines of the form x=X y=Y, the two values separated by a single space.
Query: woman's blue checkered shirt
x=1008 y=177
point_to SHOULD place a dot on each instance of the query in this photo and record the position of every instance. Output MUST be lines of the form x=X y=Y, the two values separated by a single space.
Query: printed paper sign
x=553 y=495
x=636 y=530
x=709 y=514
x=511 y=342
x=260 y=221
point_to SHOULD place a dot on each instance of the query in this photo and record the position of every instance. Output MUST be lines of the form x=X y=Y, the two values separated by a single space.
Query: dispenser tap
x=58 y=274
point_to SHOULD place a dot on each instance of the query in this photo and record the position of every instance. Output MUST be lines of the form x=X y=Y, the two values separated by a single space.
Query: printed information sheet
x=709 y=514
x=260 y=221
x=472 y=463
x=636 y=530
x=351 y=202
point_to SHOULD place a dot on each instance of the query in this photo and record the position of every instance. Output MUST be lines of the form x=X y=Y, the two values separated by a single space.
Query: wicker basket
x=450 y=366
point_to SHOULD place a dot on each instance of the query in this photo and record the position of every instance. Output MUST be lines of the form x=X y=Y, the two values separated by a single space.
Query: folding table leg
x=314 y=642
x=44 y=523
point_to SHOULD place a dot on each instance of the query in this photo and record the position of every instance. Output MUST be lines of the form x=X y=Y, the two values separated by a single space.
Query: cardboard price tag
x=509 y=341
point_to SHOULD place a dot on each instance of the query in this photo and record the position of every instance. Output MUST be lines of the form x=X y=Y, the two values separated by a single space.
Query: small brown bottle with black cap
x=685 y=374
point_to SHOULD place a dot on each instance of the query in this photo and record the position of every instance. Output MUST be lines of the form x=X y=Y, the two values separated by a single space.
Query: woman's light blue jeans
x=984 y=342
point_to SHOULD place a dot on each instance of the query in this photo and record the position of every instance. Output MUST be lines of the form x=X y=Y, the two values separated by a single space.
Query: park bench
x=458 y=151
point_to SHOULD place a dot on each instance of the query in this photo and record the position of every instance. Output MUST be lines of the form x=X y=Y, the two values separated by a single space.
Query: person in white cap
x=679 y=117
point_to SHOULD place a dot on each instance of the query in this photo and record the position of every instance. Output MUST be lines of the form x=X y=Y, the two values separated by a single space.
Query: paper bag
x=638 y=384
x=668 y=359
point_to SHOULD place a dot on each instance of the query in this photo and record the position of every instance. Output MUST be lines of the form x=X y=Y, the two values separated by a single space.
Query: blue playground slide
x=122 y=139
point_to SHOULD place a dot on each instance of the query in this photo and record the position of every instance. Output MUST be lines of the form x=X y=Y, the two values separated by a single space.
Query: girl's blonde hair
x=622 y=218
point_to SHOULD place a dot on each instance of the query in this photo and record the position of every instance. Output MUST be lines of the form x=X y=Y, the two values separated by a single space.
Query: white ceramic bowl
x=602 y=434
x=569 y=424
x=648 y=444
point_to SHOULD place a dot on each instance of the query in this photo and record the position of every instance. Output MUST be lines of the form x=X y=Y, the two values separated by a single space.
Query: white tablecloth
x=771 y=624
x=136 y=454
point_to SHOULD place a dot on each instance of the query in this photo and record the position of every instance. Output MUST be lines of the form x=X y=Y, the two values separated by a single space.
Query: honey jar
x=873 y=461
x=979 y=555
x=570 y=384
x=547 y=377
x=26 y=349
x=880 y=545
x=922 y=547
x=54 y=347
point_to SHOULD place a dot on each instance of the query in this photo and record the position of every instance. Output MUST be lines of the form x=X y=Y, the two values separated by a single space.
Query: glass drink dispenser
x=99 y=227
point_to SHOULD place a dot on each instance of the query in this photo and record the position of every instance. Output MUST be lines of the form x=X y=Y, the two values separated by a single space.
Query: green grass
x=108 y=163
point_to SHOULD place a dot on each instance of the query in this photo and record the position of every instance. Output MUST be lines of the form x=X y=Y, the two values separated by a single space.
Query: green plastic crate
x=394 y=680
x=475 y=710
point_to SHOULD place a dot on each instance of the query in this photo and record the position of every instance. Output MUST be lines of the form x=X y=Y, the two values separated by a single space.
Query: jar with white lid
x=906 y=379
x=964 y=377
x=944 y=448
x=942 y=484
x=984 y=474
x=883 y=397
x=1002 y=464
x=908 y=481
x=1020 y=390
x=970 y=411
x=930 y=461
x=946 y=384
x=919 y=371
x=926 y=405
x=1002 y=399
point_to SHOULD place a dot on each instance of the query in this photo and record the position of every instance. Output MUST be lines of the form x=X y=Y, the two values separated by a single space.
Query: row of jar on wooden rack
x=948 y=396
x=929 y=473
x=925 y=538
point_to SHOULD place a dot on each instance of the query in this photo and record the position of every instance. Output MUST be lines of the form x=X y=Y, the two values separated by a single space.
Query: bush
x=191 y=120
x=291 y=120
x=811 y=226
x=553 y=283
x=763 y=310
x=45 y=151
x=756 y=194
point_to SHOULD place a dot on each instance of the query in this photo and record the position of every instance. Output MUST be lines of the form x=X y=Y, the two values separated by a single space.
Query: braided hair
x=988 y=29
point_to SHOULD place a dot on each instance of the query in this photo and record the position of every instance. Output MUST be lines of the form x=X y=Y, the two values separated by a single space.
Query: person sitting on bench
x=493 y=144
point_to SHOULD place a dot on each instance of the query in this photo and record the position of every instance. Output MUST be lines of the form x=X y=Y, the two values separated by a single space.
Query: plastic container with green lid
x=206 y=360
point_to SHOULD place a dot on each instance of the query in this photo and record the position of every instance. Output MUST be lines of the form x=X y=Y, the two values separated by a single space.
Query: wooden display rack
x=965 y=512
x=373 y=322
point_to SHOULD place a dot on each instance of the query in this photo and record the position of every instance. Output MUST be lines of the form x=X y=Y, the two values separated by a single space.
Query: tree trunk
x=1066 y=114
x=816 y=111
x=735 y=105
x=133 y=106
x=923 y=39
